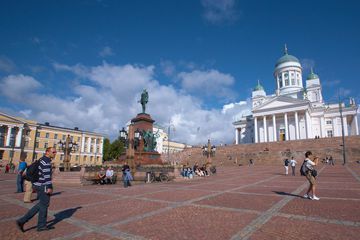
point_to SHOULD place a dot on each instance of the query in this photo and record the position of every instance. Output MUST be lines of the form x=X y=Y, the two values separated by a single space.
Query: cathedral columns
x=265 y=129
x=8 y=136
x=356 y=126
x=322 y=126
x=236 y=136
x=308 y=125
x=286 y=127
x=18 y=137
x=297 y=126
x=255 y=129
x=346 y=132
x=274 y=128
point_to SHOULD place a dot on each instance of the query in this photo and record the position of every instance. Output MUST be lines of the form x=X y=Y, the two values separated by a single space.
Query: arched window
x=286 y=82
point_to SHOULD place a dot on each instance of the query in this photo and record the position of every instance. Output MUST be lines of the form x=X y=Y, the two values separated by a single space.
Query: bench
x=95 y=180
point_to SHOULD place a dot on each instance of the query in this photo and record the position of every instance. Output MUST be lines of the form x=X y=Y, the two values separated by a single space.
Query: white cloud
x=208 y=83
x=220 y=11
x=111 y=101
x=16 y=87
x=106 y=52
x=6 y=65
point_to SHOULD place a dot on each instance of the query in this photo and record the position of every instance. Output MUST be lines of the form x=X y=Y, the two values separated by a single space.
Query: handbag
x=314 y=173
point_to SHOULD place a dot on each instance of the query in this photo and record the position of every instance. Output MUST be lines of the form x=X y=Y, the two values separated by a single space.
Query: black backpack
x=303 y=169
x=32 y=172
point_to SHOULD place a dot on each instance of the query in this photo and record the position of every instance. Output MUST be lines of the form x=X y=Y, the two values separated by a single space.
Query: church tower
x=313 y=89
x=288 y=76
x=258 y=95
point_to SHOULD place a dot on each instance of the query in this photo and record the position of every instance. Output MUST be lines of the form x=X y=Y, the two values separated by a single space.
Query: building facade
x=29 y=139
x=295 y=111
x=163 y=145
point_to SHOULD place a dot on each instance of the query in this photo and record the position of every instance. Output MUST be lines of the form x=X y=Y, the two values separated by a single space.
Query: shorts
x=310 y=178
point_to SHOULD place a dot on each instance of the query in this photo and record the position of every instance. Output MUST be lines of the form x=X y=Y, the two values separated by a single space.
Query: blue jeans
x=126 y=181
x=20 y=183
x=41 y=207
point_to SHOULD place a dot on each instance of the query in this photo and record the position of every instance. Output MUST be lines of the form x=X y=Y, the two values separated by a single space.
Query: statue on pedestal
x=144 y=100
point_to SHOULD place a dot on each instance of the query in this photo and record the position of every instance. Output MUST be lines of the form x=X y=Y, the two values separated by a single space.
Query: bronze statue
x=144 y=100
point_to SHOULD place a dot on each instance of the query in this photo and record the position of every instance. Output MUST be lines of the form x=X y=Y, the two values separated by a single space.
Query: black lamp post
x=67 y=147
x=352 y=103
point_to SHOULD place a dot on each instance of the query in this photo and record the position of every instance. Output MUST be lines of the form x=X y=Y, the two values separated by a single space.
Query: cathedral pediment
x=4 y=118
x=281 y=102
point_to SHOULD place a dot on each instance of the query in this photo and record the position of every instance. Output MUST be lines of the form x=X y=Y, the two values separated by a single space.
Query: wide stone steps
x=67 y=178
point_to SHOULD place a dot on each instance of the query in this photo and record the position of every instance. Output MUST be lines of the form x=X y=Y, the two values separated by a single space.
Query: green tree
x=106 y=149
x=116 y=149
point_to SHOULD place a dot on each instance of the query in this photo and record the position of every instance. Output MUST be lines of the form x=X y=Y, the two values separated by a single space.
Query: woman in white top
x=310 y=166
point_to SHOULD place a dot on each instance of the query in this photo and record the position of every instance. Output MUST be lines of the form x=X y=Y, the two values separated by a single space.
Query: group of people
x=329 y=160
x=196 y=170
x=292 y=163
x=106 y=177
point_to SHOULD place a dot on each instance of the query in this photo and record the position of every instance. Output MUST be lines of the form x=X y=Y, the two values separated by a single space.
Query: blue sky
x=85 y=63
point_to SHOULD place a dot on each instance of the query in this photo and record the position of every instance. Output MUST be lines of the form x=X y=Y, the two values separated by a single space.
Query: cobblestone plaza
x=254 y=202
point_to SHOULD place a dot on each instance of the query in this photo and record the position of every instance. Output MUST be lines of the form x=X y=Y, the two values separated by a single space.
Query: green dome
x=286 y=58
x=312 y=75
x=258 y=87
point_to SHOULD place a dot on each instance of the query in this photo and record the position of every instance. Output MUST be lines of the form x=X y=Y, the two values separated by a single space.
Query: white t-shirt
x=309 y=164
x=293 y=162
x=109 y=173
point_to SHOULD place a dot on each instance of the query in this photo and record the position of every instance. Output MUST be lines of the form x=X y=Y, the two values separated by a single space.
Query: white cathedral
x=294 y=111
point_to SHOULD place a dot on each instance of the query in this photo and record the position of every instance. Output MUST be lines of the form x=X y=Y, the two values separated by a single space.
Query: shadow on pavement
x=62 y=215
x=287 y=194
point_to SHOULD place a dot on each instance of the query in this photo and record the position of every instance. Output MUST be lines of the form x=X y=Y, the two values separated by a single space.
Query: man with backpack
x=44 y=189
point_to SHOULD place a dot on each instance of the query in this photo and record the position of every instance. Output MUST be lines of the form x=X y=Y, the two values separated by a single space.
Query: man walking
x=293 y=163
x=44 y=189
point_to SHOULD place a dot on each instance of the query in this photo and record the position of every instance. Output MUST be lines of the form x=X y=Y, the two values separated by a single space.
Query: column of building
x=18 y=137
x=322 y=126
x=255 y=129
x=286 y=127
x=265 y=129
x=236 y=136
x=308 y=125
x=346 y=133
x=8 y=136
x=297 y=132
x=274 y=128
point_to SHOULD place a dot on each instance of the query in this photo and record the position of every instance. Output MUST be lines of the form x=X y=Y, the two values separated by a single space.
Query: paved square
x=257 y=202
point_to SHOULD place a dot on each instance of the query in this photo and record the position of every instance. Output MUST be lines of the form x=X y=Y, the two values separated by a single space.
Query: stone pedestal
x=144 y=122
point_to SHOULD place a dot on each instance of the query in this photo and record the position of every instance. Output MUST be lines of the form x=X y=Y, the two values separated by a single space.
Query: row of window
x=56 y=136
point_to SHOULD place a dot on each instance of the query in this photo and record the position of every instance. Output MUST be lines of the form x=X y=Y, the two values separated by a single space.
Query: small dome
x=312 y=75
x=286 y=58
x=258 y=87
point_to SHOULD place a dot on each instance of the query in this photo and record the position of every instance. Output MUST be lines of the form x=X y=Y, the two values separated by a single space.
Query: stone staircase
x=67 y=178
x=274 y=153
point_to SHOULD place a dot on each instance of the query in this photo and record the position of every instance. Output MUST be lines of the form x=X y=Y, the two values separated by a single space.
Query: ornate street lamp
x=124 y=137
x=67 y=147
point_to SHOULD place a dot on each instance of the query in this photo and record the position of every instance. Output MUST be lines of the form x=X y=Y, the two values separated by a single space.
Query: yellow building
x=22 y=137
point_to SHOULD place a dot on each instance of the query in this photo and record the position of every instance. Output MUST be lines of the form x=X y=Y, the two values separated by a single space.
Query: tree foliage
x=112 y=150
